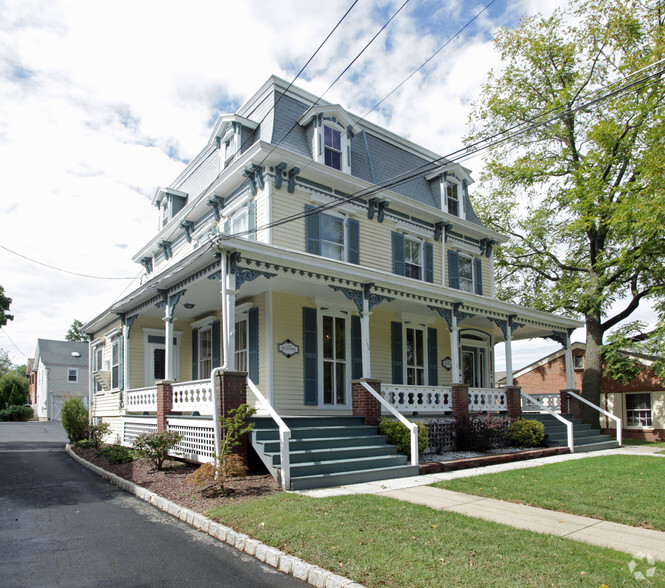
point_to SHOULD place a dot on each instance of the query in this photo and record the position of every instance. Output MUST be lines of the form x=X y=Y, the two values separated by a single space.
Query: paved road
x=61 y=525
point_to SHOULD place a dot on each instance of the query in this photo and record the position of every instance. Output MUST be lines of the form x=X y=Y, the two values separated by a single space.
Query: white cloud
x=102 y=102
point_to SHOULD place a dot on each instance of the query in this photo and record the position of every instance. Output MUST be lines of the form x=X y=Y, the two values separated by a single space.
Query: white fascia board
x=455 y=168
x=327 y=109
x=161 y=191
x=353 y=272
x=224 y=120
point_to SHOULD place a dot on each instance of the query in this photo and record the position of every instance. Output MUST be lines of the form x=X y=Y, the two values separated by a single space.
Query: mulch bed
x=175 y=484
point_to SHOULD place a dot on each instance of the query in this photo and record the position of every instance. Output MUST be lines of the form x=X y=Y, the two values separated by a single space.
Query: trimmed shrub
x=96 y=433
x=74 y=416
x=525 y=433
x=16 y=398
x=155 y=447
x=116 y=454
x=399 y=435
x=16 y=413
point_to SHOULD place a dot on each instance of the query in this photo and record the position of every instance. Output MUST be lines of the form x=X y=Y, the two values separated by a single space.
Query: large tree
x=75 y=332
x=4 y=308
x=577 y=183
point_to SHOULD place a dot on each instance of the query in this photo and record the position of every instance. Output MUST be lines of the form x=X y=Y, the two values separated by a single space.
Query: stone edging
x=289 y=564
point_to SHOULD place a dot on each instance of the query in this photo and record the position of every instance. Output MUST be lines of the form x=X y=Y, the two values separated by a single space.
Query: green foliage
x=155 y=447
x=116 y=454
x=475 y=434
x=399 y=435
x=16 y=398
x=74 y=417
x=233 y=427
x=7 y=384
x=75 y=332
x=85 y=444
x=5 y=302
x=16 y=413
x=583 y=196
x=525 y=433
x=96 y=433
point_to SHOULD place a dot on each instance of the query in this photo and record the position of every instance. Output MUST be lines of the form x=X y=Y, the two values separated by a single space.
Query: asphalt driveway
x=61 y=525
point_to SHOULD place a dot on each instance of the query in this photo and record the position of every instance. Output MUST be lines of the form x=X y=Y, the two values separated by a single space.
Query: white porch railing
x=193 y=396
x=284 y=435
x=141 y=399
x=549 y=400
x=616 y=419
x=408 y=424
x=487 y=400
x=418 y=398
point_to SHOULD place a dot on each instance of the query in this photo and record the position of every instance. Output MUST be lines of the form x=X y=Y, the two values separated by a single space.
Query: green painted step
x=338 y=453
x=356 y=477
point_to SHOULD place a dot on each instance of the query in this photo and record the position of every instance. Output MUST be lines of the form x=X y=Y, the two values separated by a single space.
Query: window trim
x=75 y=371
x=636 y=410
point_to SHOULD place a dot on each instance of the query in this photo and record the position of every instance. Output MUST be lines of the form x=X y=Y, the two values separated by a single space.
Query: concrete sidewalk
x=624 y=538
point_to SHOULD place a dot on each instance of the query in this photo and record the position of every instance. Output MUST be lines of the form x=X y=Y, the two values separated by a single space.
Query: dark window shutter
x=356 y=349
x=398 y=254
x=428 y=254
x=253 y=354
x=121 y=362
x=216 y=347
x=310 y=359
x=432 y=358
x=453 y=269
x=353 y=239
x=478 y=275
x=251 y=220
x=312 y=231
x=396 y=345
x=195 y=354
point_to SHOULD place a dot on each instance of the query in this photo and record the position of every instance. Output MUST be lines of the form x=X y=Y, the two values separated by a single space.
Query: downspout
x=217 y=370
x=90 y=382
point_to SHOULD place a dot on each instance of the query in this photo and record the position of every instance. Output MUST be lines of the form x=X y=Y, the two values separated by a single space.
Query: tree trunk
x=593 y=372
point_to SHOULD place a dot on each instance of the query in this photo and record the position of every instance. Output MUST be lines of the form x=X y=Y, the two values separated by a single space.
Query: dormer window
x=453 y=191
x=452 y=198
x=169 y=202
x=329 y=132
x=332 y=146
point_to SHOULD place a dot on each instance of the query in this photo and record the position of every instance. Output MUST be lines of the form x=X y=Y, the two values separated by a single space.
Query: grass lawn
x=381 y=541
x=643 y=442
x=625 y=489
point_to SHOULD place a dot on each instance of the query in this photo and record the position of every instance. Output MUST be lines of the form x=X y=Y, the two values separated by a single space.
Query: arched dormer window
x=453 y=181
x=329 y=134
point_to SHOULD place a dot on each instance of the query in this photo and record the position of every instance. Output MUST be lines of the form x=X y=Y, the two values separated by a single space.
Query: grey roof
x=373 y=159
x=52 y=352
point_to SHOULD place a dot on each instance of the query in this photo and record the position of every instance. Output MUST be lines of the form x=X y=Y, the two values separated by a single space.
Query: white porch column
x=364 y=336
x=125 y=356
x=168 y=346
x=570 y=373
x=509 y=354
x=230 y=321
x=454 y=350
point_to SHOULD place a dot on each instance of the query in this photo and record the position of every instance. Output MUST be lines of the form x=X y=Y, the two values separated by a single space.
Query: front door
x=155 y=360
x=473 y=367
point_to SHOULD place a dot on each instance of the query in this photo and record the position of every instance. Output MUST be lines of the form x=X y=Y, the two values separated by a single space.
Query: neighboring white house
x=61 y=368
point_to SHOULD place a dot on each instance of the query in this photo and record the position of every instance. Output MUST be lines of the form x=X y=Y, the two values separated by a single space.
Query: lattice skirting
x=198 y=443
x=442 y=431
x=133 y=430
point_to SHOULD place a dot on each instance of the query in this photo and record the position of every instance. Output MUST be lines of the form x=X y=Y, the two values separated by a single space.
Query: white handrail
x=569 y=425
x=284 y=435
x=592 y=405
x=411 y=426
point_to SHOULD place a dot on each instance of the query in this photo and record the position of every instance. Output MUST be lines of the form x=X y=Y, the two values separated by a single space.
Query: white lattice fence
x=133 y=427
x=487 y=400
x=418 y=398
x=198 y=442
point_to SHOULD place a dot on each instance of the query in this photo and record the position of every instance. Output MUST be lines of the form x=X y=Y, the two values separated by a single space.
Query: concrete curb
x=289 y=564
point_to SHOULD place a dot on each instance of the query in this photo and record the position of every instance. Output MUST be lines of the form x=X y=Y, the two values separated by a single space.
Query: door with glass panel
x=415 y=357
x=241 y=345
x=335 y=365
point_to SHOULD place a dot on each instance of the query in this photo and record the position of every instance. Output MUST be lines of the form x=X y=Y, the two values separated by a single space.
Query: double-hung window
x=465 y=272
x=97 y=364
x=452 y=198
x=332 y=147
x=332 y=235
x=412 y=257
x=638 y=410
x=115 y=363
x=72 y=375
x=205 y=351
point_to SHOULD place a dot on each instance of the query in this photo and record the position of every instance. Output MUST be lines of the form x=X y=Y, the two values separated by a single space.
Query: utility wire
x=473 y=149
x=4 y=331
x=64 y=271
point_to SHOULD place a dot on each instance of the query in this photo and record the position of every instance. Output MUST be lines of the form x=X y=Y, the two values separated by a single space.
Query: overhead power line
x=59 y=269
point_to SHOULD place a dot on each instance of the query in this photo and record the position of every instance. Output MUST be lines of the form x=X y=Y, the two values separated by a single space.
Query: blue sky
x=102 y=103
